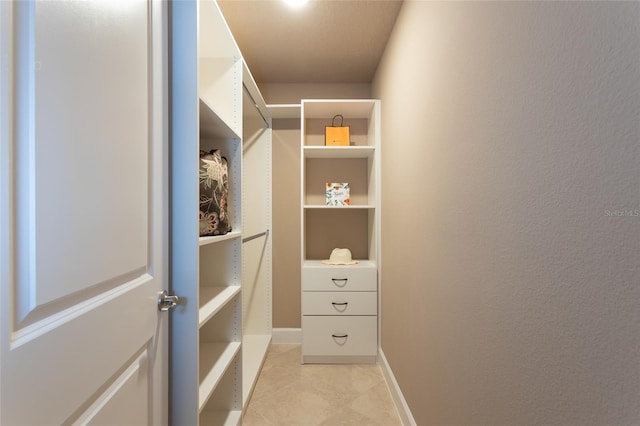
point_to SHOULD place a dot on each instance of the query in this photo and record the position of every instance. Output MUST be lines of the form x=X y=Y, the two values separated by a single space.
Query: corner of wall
x=286 y=336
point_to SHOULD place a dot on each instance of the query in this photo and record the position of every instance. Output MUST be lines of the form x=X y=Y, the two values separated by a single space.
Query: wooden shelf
x=215 y=359
x=362 y=263
x=212 y=299
x=212 y=125
x=348 y=108
x=254 y=351
x=203 y=241
x=352 y=207
x=339 y=151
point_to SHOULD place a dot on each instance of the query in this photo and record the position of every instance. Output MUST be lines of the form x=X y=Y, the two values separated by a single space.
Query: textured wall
x=510 y=228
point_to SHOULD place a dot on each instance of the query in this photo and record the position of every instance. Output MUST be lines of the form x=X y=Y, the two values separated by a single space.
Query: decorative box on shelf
x=338 y=194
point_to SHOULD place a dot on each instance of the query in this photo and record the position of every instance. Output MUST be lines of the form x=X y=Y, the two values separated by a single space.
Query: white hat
x=340 y=256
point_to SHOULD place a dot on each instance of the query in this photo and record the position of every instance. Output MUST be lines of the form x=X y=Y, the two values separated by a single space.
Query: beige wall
x=286 y=223
x=511 y=279
x=286 y=192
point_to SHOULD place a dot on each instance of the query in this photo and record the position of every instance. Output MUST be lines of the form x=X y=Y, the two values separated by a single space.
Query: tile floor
x=291 y=394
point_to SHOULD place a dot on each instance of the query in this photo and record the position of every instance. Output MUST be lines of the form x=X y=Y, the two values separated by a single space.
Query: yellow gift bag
x=336 y=135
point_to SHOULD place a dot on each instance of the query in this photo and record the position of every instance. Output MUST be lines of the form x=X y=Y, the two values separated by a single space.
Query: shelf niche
x=320 y=171
x=326 y=229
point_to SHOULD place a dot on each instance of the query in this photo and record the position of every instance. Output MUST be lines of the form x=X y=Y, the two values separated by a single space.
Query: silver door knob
x=166 y=302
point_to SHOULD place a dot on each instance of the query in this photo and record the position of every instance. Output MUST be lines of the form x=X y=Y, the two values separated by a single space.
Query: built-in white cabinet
x=340 y=302
x=213 y=362
x=257 y=236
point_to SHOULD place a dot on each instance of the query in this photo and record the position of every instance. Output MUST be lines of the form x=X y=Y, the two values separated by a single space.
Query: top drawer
x=339 y=278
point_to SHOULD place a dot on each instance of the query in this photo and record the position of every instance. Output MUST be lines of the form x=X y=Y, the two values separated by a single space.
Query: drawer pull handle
x=340 y=336
x=340 y=306
x=340 y=282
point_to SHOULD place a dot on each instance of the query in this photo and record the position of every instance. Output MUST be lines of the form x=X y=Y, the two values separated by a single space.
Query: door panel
x=83 y=137
x=83 y=212
x=125 y=402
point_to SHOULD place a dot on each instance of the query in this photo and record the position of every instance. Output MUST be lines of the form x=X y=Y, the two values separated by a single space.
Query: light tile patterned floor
x=291 y=394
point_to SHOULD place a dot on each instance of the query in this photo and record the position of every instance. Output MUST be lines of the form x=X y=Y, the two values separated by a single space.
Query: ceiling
x=325 y=41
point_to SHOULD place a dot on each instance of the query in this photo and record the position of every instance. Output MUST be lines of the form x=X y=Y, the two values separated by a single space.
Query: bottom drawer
x=339 y=335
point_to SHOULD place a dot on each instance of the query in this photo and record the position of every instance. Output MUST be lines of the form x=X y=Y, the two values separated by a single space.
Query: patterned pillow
x=214 y=192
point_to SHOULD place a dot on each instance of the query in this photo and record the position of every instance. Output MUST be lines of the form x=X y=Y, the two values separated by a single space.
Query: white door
x=83 y=218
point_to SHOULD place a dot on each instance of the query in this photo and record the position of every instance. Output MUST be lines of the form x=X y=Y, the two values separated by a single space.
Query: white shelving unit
x=221 y=330
x=340 y=303
x=256 y=247
x=339 y=151
x=206 y=272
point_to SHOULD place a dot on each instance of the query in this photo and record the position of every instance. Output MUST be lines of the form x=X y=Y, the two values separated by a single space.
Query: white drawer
x=339 y=278
x=339 y=303
x=339 y=335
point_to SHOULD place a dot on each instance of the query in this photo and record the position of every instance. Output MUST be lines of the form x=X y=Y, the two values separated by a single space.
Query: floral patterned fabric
x=214 y=190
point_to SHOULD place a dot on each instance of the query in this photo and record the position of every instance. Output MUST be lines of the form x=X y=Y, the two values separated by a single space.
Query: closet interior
x=222 y=329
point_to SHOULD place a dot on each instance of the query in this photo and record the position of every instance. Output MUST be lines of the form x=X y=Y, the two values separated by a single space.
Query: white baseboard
x=398 y=398
x=291 y=336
